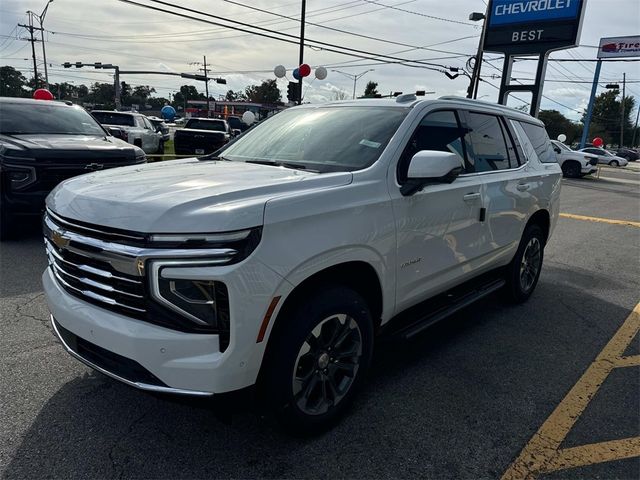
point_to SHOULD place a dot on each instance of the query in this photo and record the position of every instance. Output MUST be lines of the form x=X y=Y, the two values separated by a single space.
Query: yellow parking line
x=601 y=220
x=543 y=453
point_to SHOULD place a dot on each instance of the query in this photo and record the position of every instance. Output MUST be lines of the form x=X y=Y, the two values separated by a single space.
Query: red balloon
x=598 y=142
x=43 y=94
x=305 y=70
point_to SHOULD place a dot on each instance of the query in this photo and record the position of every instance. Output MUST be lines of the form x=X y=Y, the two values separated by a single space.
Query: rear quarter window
x=538 y=137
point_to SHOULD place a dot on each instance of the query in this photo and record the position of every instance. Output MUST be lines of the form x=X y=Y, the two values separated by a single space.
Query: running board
x=449 y=304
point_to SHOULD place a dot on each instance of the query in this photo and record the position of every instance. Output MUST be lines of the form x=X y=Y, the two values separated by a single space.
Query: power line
x=292 y=39
x=421 y=14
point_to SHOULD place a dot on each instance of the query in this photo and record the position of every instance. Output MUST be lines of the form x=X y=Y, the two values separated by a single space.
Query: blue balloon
x=296 y=74
x=168 y=112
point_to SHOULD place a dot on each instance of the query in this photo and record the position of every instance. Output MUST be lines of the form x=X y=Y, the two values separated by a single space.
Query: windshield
x=561 y=145
x=113 y=118
x=323 y=139
x=197 y=124
x=47 y=118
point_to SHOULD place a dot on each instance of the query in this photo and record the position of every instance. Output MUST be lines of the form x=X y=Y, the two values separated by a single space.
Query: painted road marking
x=543 y=453
x=628 y=223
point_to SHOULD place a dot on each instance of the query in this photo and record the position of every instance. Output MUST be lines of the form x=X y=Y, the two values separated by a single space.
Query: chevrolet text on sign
x=533 y=26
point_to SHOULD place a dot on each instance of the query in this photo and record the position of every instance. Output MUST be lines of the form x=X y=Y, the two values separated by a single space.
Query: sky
x=135 y=38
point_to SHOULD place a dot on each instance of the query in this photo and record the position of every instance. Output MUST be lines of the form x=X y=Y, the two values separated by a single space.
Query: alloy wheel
x=530 y=264
x=327 y=364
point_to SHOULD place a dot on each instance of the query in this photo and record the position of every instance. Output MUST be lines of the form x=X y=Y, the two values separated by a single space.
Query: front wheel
x=160 y=147
x=614 y=163
x=524 y=270
x=571 y=169
x=319 y=359
x=7 y=227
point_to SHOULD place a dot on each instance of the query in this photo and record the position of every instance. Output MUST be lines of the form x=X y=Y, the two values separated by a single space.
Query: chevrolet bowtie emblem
x=59 y=239
x=94 y=166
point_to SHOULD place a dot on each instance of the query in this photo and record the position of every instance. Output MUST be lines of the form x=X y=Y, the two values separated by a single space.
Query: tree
x=102 y=94
x=556 y=124
x=12 y=83
x=340 y=95
x=125 y=93
x=266 y=92
x=371 y=90
x=157 y=102
x=187 y=92
x=232 y=96
x=143 y=91
x=606 y=118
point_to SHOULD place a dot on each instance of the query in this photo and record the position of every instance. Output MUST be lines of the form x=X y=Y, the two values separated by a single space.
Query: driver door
x=439 y=232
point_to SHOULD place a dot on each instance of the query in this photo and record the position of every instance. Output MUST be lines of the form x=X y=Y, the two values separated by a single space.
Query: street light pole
x=622 y=122
x=472 y=91
x=44 y=51
x=354 y=77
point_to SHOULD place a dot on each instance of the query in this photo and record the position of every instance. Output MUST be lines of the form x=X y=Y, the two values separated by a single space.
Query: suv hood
x=75 y=143
x=182 y=196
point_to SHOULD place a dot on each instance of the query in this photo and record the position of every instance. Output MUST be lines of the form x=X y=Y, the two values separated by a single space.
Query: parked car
x=43 y=143
x=628 y=154
x=605 y=157
x=136 y=127
x=201 y=136
x=236 y=123
x=278 y=262
x=574 y=164
x=160 y=127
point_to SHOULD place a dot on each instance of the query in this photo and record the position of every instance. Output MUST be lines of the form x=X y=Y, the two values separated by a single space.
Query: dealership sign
x=533 y=26
x=616 y=47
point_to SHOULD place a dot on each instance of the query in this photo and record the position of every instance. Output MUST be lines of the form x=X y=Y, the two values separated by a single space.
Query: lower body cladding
x=156 y=358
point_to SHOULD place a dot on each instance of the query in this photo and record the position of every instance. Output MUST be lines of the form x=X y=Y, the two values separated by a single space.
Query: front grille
x=102 y=266
x=593 y=161
x=96 y=281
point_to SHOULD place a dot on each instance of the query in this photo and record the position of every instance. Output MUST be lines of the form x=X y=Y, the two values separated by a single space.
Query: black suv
x=43 y=143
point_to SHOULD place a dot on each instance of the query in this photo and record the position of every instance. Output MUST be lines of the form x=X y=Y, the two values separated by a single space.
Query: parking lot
x=548 y=389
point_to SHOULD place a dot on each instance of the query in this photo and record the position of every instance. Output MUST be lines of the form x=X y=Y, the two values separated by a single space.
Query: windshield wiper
x=275 y=163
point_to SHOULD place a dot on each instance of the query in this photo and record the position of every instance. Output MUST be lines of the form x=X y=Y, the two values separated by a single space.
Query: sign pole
x=592 y=98
x=622 y=122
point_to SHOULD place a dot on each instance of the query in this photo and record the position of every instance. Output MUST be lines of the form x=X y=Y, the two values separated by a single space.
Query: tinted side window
x=438 y=131
x=540 y=140
x=489 y=144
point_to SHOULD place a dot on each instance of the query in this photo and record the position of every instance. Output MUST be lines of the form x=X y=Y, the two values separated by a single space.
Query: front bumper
x=182 y=362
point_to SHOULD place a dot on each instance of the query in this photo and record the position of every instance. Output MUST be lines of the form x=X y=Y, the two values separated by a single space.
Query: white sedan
x=606 y=157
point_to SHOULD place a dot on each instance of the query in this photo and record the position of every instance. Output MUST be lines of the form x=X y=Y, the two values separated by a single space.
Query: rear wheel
x=614 y=163
x=319 y=360
x=571 y=169
x=524 y=270
x=160 y=147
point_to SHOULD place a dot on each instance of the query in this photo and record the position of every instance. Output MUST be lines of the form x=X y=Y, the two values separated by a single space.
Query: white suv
x=574 y=164
x=136 y=128
x=277 y=262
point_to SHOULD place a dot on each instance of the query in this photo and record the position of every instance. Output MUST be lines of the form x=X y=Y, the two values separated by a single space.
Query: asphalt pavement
x=464 y=400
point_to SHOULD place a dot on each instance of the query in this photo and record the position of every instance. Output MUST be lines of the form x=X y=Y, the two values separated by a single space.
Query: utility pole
x=44 y=51
x=622 y=122
x=302 y=21
x=206 y=86
x=33 y=41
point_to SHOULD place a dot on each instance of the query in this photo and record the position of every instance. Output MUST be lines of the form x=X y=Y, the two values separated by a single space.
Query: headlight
x=203 y=302
x=21 y=177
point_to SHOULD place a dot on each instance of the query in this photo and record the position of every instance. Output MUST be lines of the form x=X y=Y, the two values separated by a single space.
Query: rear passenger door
x=497 y=164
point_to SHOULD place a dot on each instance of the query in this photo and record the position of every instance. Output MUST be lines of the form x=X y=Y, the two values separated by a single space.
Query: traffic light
x=293 y=91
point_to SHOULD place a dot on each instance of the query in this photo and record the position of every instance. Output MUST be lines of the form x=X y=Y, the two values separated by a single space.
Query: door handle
x=522 y=187
x=471 y=197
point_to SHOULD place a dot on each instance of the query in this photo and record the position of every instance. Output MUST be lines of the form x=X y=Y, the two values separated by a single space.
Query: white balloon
x=321 y=73
x=249 y=117
x=562 y=137
x=280 y=71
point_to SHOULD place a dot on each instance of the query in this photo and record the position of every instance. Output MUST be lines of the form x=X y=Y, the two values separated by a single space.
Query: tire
x=137 y=142
x=160 y=147
x=307 y=384
x=524 y=270
x=7 y=224
x=614 y=163
x=571 y=169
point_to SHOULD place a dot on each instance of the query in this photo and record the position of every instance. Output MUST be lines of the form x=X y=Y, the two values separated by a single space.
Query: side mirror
x=556 y=149
x=115 y=132
x=428 y=167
